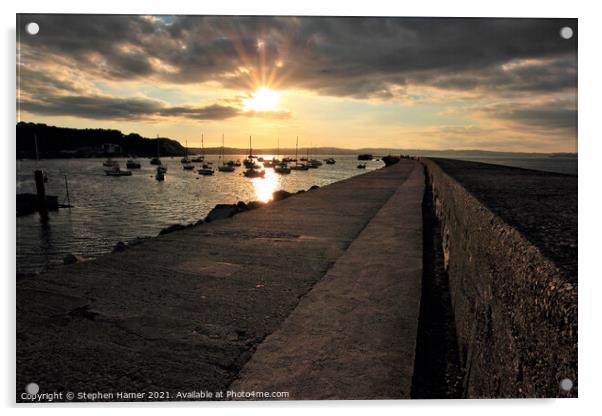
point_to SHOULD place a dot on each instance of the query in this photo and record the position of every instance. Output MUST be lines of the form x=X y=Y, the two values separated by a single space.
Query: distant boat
x=186 y=160
x=205 y=170
x=237 y=163
x=116 y=171
x=109 y=163
x=282 y=168
x=312 y=163
x=223 y=166
x=298 y=166
x=330 y=161
x=361 y=166
x=254 y=172
x=160 y=175
x=132 y=164
x=156 y=160
x=249 y=162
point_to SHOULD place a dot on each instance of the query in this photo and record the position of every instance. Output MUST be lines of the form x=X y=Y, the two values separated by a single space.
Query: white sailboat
x=222 y=166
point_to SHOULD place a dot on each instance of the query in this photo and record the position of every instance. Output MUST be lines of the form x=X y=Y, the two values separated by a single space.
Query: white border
x=589 y=209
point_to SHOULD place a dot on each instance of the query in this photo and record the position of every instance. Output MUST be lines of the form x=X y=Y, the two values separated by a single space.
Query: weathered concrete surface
x=184 y=311
x=510 y=244
x=354 y=335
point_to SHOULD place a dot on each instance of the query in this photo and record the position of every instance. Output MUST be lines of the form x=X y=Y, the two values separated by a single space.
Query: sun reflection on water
x=266 y=186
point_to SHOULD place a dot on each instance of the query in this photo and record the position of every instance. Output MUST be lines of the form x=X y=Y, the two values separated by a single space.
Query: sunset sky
x=491 y=84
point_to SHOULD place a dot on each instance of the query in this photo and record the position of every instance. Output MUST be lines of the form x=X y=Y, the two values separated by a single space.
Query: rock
x=279 y=195
x=199 y=222
x=314 y=187
x=241 y=206
x=221 y=211
x=119 y=247
x=172 y=228
x=300 y=191
x=255 y=204
x=72 y=258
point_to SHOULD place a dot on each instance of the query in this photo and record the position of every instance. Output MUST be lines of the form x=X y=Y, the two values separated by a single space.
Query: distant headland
x=66 y=142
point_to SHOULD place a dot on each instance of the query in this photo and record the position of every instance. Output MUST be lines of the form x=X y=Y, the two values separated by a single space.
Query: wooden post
x=41 y=193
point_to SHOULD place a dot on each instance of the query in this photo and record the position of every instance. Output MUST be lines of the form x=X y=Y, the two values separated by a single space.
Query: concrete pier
x=354 y=335
x=186 y=311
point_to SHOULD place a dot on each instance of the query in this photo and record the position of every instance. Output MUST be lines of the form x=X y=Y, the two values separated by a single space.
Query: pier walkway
x=322 y=287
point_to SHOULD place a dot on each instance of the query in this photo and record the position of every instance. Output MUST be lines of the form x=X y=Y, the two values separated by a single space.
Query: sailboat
x=297 y=165
x=156 y=160
x=280 y=167
x=249 y=162
x=186 y=163
x=200 y=158
x=223 y=166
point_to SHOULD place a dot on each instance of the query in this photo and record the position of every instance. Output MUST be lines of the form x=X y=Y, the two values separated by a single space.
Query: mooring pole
x=67 y=191
x=41 y=193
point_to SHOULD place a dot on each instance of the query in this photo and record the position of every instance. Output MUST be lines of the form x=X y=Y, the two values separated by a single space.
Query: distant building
x=111 y=148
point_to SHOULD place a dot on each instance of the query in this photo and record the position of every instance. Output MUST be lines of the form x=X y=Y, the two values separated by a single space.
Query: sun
x=264 y=99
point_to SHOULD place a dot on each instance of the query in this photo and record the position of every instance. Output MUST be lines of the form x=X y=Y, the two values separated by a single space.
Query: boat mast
x=223 y=160
x=250 y=149
x=297 y=151
x=278 y=151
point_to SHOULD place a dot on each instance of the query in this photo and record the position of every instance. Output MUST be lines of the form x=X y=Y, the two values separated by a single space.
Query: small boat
x=298 y=166
x=116 y=171
x=249 y=162
x=361 y=166
x=156 y=160
x=226 y=168
x=132 y=164
x=160 y=175
x=314 y=164
x=237 y=163
x=187 y=166
x=109 y=163
x=186 y=160
x=198 y=159
x=222 y=166
x=330 y=161
x=260 y=159
x=254 y=172
x=282 y=168
x=205 y=170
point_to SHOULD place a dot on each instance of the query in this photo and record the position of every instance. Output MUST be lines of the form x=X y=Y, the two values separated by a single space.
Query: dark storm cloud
x=554 y=116
x=360 y=57
x=102 y=107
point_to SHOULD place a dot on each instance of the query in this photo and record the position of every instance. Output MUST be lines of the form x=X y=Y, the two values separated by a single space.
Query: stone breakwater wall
x=515 y=311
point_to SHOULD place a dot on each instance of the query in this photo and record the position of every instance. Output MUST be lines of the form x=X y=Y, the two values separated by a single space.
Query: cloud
x=105 y=107
x=345 y=56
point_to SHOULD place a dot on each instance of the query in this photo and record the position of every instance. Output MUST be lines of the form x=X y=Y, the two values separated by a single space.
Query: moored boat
x=205 y=170
x=132 y=164
x=115 y=170
x=254 y=172
x=282 y=168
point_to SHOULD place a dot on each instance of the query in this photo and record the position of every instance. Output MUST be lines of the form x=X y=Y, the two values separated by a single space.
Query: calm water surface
x=111 y=209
